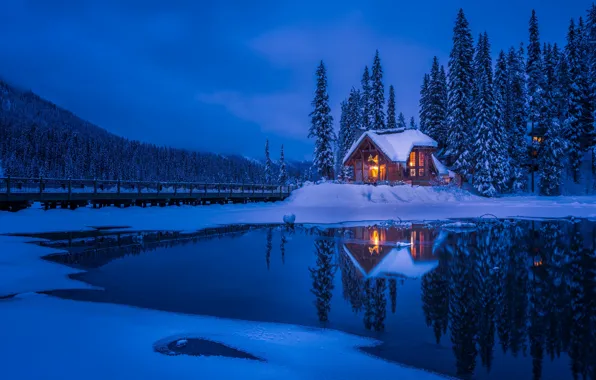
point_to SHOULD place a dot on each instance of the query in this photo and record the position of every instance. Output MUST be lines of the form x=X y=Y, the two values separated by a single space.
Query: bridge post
x=69 y=189
x=95 y=186
x=118 y=186
x=175 y=188
x=139 y=188
x=8 y=187
x=40 y=185
x=218 y=188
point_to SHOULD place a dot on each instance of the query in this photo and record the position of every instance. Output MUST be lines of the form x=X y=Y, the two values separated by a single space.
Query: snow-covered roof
x=398 y=261
x=396 y=144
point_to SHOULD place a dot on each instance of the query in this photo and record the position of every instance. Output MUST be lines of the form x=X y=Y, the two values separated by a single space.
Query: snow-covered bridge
x=18 y=193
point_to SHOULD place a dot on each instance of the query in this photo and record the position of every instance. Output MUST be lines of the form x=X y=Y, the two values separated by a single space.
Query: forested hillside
x=38 y=138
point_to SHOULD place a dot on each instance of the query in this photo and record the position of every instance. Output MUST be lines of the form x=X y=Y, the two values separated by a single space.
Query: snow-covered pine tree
x=365 y=100
x=322 y=126
x=460 y=87
x=518 y=151
x=424 y=103
x=552 y=152
x=345 y=136
x=502 y=111
x=575 y=96
x=535 y=75
x=355 y=112
x=445 y=102
x=391 y=121
x=378 y=94
x=283 y=171
x=268 y=164
x=591 y=32
x=587 y=116
x=437 y=108
x=412 y=123
x=488 y=151
x=401 y=121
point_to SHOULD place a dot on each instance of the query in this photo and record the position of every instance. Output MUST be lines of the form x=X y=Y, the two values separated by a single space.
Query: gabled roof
x=395 y=144
x=398 y=262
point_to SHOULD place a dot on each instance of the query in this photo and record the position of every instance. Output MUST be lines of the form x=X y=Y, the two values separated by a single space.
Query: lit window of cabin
x=412 y=159
x=412 y=172
x=537 y=139
x=421 y=159
x=421 y=172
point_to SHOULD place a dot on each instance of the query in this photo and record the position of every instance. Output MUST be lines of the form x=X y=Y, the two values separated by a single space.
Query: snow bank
x=103 y=341
x=330 y=194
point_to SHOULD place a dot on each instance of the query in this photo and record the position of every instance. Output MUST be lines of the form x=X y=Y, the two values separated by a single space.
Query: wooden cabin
x=396 y=156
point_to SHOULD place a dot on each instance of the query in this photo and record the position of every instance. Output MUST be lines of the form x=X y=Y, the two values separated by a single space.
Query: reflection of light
x=375 y=240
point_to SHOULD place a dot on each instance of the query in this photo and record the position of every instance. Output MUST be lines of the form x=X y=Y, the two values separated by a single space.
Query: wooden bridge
x=18 y=193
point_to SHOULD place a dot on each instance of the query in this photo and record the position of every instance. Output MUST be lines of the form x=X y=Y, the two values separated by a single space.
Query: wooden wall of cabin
x=418 y=166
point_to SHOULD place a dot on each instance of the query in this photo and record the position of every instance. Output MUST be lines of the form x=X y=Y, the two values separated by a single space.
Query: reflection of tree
x=282 y=247
x=435 y=299
x=582 y=349
x=352 y=283
x=269 y=247
x=462 y=314
x=393 y=294
x=322 y=278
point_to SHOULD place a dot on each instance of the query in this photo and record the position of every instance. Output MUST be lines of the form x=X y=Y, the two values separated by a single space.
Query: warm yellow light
x=374 y=167
x=375 y=237
x=538 y=263
x=373 y=250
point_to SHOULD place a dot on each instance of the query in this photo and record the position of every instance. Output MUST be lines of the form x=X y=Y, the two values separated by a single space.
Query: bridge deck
x=17 y=193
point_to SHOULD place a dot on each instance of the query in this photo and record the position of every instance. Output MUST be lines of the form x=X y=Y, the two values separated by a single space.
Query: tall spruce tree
x=391 y=121
x=401 y=121
x=283 y=171
x=377 y=94
x=535 y=75
x=412 y=123
x=345 y=136
x=424 y=103
x=488 y=150
x=552 y=153
x=517 y=147
x=587 y=115
x=322 y=126
x=591 y=32
x=268 y=164
x=437 y=108
x=460 y=87
x=575 y=97
x=355 y=112
x=502 y=111
x=365 y=101
x=445 y=102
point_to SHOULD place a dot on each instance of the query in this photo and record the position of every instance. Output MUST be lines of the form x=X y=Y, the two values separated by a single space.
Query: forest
x=530 y=113
x=40 y=139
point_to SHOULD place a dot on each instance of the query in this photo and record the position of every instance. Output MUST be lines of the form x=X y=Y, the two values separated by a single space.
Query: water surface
x=490 y=300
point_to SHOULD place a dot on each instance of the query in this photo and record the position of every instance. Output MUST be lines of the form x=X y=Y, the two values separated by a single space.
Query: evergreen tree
x=437 y=106
x=460 y=87
x=342 y=135
x=575 y=98
x=378 y=94
x=489 y=152
x=413 y=123
x=354 y=117
x=268 y=164
x=322 y=126
x=535 y=75
x=283 y=171
x=424 y=103
x=503 y=111
x=517 y=147
x=551 y=159
x=586 y=121
x=366 y=101
x=401 y=121
x=391 y=122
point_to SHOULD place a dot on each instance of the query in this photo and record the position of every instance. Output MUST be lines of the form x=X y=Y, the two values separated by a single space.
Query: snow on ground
x=49 y=338
x=109 y=341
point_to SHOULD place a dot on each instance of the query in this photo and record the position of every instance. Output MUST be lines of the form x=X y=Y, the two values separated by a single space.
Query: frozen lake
x=488 y=300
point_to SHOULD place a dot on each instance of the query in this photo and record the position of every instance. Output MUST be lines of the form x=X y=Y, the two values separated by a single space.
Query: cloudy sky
x=225 y=75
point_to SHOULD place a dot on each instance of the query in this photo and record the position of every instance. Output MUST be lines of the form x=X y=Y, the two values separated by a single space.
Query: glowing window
x=420 y=158
x=413 y=159
x=420 y=172
x=412 y=172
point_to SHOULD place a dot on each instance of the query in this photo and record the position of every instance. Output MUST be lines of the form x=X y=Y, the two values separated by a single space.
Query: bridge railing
x=19 y=185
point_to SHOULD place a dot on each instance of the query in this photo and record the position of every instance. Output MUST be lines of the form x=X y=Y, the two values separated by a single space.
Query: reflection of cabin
x=377 y=252
x=395 y=155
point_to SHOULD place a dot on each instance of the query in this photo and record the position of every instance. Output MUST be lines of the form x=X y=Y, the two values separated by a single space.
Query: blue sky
x=223 y=76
